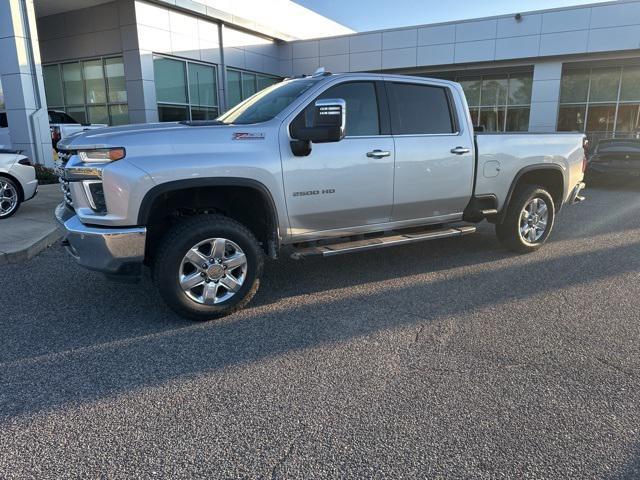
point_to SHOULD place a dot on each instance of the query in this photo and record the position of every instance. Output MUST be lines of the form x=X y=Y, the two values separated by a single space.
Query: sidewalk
x=32 y=228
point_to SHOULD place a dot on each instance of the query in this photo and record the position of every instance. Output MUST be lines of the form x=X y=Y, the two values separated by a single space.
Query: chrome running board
x=395 y=238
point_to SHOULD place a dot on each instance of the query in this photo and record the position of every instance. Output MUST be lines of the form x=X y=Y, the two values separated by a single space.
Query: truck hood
x=147 y=144
x=119 y=136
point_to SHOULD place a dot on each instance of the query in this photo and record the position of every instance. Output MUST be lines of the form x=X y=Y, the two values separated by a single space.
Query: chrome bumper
x=109 y=250
x=575 y=196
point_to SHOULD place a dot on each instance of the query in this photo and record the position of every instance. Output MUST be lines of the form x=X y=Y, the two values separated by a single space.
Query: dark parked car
x=615 y=157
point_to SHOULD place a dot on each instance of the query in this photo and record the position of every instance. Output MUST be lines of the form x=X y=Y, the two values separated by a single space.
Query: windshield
x=267 y=103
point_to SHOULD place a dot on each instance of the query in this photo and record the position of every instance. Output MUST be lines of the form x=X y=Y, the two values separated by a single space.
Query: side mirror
x=329 y=122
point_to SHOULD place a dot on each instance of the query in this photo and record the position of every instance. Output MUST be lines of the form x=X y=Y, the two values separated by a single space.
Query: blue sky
x=361 y=15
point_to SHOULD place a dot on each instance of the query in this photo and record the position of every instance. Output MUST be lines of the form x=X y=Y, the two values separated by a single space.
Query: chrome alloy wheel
x=533 y=220
x=8 y=198
x=213 y=271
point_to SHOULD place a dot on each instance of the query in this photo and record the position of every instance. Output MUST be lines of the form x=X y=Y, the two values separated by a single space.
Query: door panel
x=340 y=186
x=430 y=180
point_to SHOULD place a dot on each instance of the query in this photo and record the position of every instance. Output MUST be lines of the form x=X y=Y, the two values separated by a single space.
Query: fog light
x=95 y=195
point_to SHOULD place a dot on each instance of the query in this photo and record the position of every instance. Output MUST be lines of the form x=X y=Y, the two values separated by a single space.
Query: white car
x=17 y=181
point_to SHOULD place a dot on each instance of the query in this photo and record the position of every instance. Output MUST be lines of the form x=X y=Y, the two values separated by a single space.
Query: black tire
x=508 y=231
x=16 y=189
x=166 y=265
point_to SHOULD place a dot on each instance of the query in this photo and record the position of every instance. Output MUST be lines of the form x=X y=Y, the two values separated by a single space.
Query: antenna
x=321 y=72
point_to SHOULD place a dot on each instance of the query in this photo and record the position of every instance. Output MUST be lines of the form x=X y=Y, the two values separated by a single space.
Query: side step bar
x=381 y=242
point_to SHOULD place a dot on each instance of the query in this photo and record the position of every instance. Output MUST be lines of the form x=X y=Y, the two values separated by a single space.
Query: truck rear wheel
x=528 y=220
x=207 y=267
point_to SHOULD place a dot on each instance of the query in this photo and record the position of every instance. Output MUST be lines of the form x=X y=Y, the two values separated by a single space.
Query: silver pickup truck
x=321 y=165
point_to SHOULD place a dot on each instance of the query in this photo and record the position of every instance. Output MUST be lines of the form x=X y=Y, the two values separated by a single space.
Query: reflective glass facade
x=185 y=90
x=241 y=85
x=499 y=103
x=600 y=101
x=90 y=91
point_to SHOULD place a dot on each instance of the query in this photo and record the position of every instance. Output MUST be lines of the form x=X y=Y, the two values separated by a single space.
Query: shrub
x=45 y=175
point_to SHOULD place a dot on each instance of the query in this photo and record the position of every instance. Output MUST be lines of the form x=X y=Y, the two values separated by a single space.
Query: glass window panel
x=604 y=84
x=78 y=114
x=520 y=89
x=630 y=89
x=94 y=81
x=362 y=106
x=203 y=113
x=170 y=79
x=98 y=114
x=234 y=90
x=52 y=85
x=471 y=87
x=475 y=115
x=264 y=82
x=119 y=114
x=517 y=119
x=202 y=85
x=492 y=119
x=571 y=118
x=419 y=109
x=1 y=97
x=114 y=68
x=248 y=85
x=72 y=84
x=173 y=113
x=60 y=117
x=600 y=118
x=574 y=86
x=628 y=118
x=494 y=91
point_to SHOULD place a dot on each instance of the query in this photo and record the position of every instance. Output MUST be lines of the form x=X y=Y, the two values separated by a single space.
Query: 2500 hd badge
x=324 y=191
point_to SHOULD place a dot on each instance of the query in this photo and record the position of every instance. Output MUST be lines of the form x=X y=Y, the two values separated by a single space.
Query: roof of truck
x=321 y=73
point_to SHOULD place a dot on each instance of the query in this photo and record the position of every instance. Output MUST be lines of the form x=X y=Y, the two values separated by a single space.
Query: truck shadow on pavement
x=80 y=339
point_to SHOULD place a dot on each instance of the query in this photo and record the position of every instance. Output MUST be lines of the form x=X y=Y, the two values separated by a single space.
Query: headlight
x=102 y=155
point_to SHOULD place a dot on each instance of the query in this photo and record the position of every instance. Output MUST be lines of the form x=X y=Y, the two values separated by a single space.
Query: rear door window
x=419 y=109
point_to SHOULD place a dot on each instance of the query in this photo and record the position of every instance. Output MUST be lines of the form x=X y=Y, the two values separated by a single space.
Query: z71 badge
x=248 y=136
x=324 y=191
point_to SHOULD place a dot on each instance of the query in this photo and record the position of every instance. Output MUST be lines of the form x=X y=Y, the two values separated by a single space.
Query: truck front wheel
x=528 y=220
x=207 y=267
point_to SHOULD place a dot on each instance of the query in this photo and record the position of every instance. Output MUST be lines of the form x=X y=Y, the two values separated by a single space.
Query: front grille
x=66 y=191
x=63 y=158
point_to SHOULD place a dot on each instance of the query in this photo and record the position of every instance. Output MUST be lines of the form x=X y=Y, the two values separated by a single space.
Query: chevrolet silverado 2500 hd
x=323 y=165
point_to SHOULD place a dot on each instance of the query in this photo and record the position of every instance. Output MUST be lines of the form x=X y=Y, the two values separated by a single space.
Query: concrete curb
x=44 y=242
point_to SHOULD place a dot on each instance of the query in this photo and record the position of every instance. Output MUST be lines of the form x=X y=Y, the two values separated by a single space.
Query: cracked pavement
x=448 y=359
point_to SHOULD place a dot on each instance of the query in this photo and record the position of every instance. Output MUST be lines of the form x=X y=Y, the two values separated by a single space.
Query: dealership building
x=135 y=61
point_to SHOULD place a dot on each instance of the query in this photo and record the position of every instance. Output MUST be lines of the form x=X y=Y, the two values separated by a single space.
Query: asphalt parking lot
x=450 y=359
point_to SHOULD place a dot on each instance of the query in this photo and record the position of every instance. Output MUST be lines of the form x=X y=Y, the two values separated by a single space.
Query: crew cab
x=320 y=165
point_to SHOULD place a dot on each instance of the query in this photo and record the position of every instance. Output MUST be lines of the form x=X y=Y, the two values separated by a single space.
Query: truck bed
x=502 y=155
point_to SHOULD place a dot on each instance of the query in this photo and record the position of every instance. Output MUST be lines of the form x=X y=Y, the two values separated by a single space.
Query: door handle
x=378 y=154
x=460 y=150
